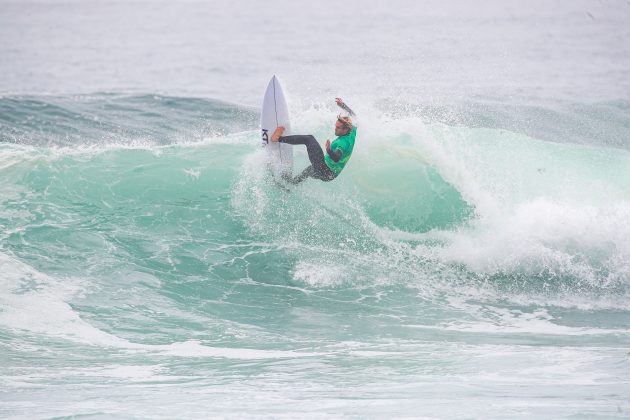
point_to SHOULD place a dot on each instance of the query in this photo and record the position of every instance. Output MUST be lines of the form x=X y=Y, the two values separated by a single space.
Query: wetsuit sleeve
x=347 y=109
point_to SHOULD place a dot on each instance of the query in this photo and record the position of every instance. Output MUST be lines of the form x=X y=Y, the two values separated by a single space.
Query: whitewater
x=471 y=261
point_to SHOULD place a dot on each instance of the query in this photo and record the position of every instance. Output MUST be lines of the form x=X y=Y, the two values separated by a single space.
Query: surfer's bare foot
x=277 y=134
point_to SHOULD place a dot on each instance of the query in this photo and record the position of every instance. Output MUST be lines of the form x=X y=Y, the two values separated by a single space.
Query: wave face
x=462 y=254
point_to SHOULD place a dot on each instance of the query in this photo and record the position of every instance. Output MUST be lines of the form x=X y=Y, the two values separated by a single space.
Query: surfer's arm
x=345 y=107
x=336 y=155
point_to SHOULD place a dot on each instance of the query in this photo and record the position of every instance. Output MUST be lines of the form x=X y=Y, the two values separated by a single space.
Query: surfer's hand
x=339 y=102
x=277 y=134
x=328 y=146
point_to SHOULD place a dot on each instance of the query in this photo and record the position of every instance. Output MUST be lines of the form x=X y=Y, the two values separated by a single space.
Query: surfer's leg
x=314 y=150
x=307 y=172
x=298 y=139
x=318 y=168
x=312 y=146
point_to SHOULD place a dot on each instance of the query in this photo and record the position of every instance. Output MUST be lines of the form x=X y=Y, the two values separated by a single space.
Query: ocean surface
x=472 y=260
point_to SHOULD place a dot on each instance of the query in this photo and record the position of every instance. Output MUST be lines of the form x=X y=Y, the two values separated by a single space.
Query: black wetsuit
x=318 y=168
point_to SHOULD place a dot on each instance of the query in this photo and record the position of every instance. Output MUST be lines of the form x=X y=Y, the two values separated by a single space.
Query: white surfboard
x=275 y=112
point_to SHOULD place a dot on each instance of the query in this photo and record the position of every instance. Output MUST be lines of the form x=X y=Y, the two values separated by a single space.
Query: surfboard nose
x=275 y=113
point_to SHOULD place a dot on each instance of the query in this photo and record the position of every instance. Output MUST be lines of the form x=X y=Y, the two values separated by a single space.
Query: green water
x=142 y=274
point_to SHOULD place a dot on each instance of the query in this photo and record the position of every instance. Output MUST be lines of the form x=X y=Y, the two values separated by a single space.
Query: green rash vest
x=345 y=144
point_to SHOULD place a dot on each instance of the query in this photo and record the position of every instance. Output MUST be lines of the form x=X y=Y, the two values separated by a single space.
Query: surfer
x=324 y=167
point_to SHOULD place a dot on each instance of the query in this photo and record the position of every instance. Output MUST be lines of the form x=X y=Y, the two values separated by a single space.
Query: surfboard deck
x=275 y=113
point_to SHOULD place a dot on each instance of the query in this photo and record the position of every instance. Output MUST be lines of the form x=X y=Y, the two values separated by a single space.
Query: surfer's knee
x=310 y=139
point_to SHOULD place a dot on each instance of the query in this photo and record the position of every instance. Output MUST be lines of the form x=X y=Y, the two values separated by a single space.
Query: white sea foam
x=543 y=235
x=316 y=275
x=497 y=320
x=34 y=302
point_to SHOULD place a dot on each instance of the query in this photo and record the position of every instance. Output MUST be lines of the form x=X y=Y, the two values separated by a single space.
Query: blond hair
x=346 y=121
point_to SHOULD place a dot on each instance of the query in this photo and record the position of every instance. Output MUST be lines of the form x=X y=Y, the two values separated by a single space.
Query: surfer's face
x=341 y=129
